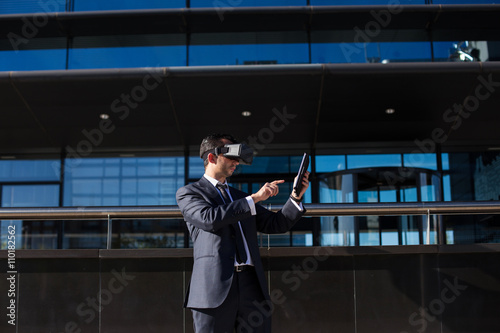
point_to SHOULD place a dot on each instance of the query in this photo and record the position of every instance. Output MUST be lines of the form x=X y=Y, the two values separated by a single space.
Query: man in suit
x=228 y=285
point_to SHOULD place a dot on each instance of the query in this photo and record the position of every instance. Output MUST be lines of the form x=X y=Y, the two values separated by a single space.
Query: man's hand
x=305 y=185
x=266 y=191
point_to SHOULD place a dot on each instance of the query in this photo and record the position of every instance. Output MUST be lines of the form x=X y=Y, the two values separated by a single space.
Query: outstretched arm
x=271 y=189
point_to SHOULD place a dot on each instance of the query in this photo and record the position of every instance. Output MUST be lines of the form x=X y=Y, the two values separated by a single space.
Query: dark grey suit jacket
x=208 y=220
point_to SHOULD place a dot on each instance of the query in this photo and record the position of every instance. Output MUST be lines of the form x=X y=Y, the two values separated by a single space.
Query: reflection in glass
x=139 y=234
x=196 y=168
x=227 y=5
x=248 y=54
x=124 y=57
x=337 y=189
x=474 y=176
x=375 y=160
x=31 y=6
x=30 y=195
x=472 y=229
x=464 y=2
x=29 y=170
x=363 y=2
x=461 y=51
x=30 y=60
x=84 y=5
x=11 y=228
x=334 y=52
x=371 y=185
x=123 y=181
x=271 y=164
x=330 y=163
x=426 y=161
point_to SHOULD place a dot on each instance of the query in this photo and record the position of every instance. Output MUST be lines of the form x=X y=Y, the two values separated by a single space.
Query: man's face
x=225 y=166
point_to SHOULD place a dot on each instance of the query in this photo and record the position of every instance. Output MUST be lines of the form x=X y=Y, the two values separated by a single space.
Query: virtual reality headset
x=239 y=151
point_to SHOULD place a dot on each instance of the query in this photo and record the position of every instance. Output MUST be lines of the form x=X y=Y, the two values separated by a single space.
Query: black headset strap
x=217 y=151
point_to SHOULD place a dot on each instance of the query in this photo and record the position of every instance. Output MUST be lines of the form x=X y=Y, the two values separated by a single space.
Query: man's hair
x=213 y=141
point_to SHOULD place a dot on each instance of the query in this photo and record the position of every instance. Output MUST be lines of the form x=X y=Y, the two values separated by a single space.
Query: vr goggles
x=239 y=151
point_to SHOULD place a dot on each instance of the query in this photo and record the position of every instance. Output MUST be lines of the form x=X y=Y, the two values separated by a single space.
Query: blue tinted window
x=226 y=5
x=29 y=60
x=32 y=6
x=83 y=5
x=442 y=50
x=370 y=52
x=368 y=161
x=241 y=54
x=260 y=165
x=272 y=164
x=30 y=170
x=196 y=168
x=123 y=57
x=330 y=163
x=465 y=2
x=368 y=196
x=337 y=189
x=445 y=160
x=388 y=195
x=123 y=181
x=446 y=188
x=426 y=161
x=30 y=195
x=409 y=194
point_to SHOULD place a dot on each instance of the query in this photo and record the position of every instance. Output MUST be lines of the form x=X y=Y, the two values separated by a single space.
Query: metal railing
x=324 y=209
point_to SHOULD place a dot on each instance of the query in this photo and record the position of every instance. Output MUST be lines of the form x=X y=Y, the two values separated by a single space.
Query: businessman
x=228 y=282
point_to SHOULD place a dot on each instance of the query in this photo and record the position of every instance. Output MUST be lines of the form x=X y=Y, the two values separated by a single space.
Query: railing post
x=110 y=233
x=428 y=237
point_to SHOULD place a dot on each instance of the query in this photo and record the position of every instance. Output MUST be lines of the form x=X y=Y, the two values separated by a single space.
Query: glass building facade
x=153 y=181
x=142 y=180
x=27 y=49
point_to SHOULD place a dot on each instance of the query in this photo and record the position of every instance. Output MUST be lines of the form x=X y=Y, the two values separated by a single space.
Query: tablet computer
x=297 y=185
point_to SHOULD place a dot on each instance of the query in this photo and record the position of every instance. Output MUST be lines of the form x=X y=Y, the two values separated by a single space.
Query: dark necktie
x=241 y=254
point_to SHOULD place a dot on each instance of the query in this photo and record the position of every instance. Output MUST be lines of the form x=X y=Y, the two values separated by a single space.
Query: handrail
x=318 y=209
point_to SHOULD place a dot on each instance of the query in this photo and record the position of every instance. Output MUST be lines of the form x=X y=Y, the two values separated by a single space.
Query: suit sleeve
x=198 y=209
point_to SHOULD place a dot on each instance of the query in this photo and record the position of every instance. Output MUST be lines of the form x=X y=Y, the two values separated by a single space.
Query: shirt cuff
x=298 y=205
x=252 y=205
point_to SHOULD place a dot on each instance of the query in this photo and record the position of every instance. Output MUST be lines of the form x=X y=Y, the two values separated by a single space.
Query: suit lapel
x=211 y=191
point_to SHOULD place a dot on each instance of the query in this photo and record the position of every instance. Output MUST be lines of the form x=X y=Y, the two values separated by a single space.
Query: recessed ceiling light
x=390 y=111
x=104 y=116
x=246 y=113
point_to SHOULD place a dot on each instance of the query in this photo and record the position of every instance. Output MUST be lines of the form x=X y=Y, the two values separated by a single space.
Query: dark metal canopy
x=318 y=105
x=396 y=22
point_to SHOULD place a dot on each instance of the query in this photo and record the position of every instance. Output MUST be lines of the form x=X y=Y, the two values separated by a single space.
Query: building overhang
x=292 y=106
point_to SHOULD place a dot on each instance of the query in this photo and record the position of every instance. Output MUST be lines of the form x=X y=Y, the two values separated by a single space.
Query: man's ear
x=212 y=158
